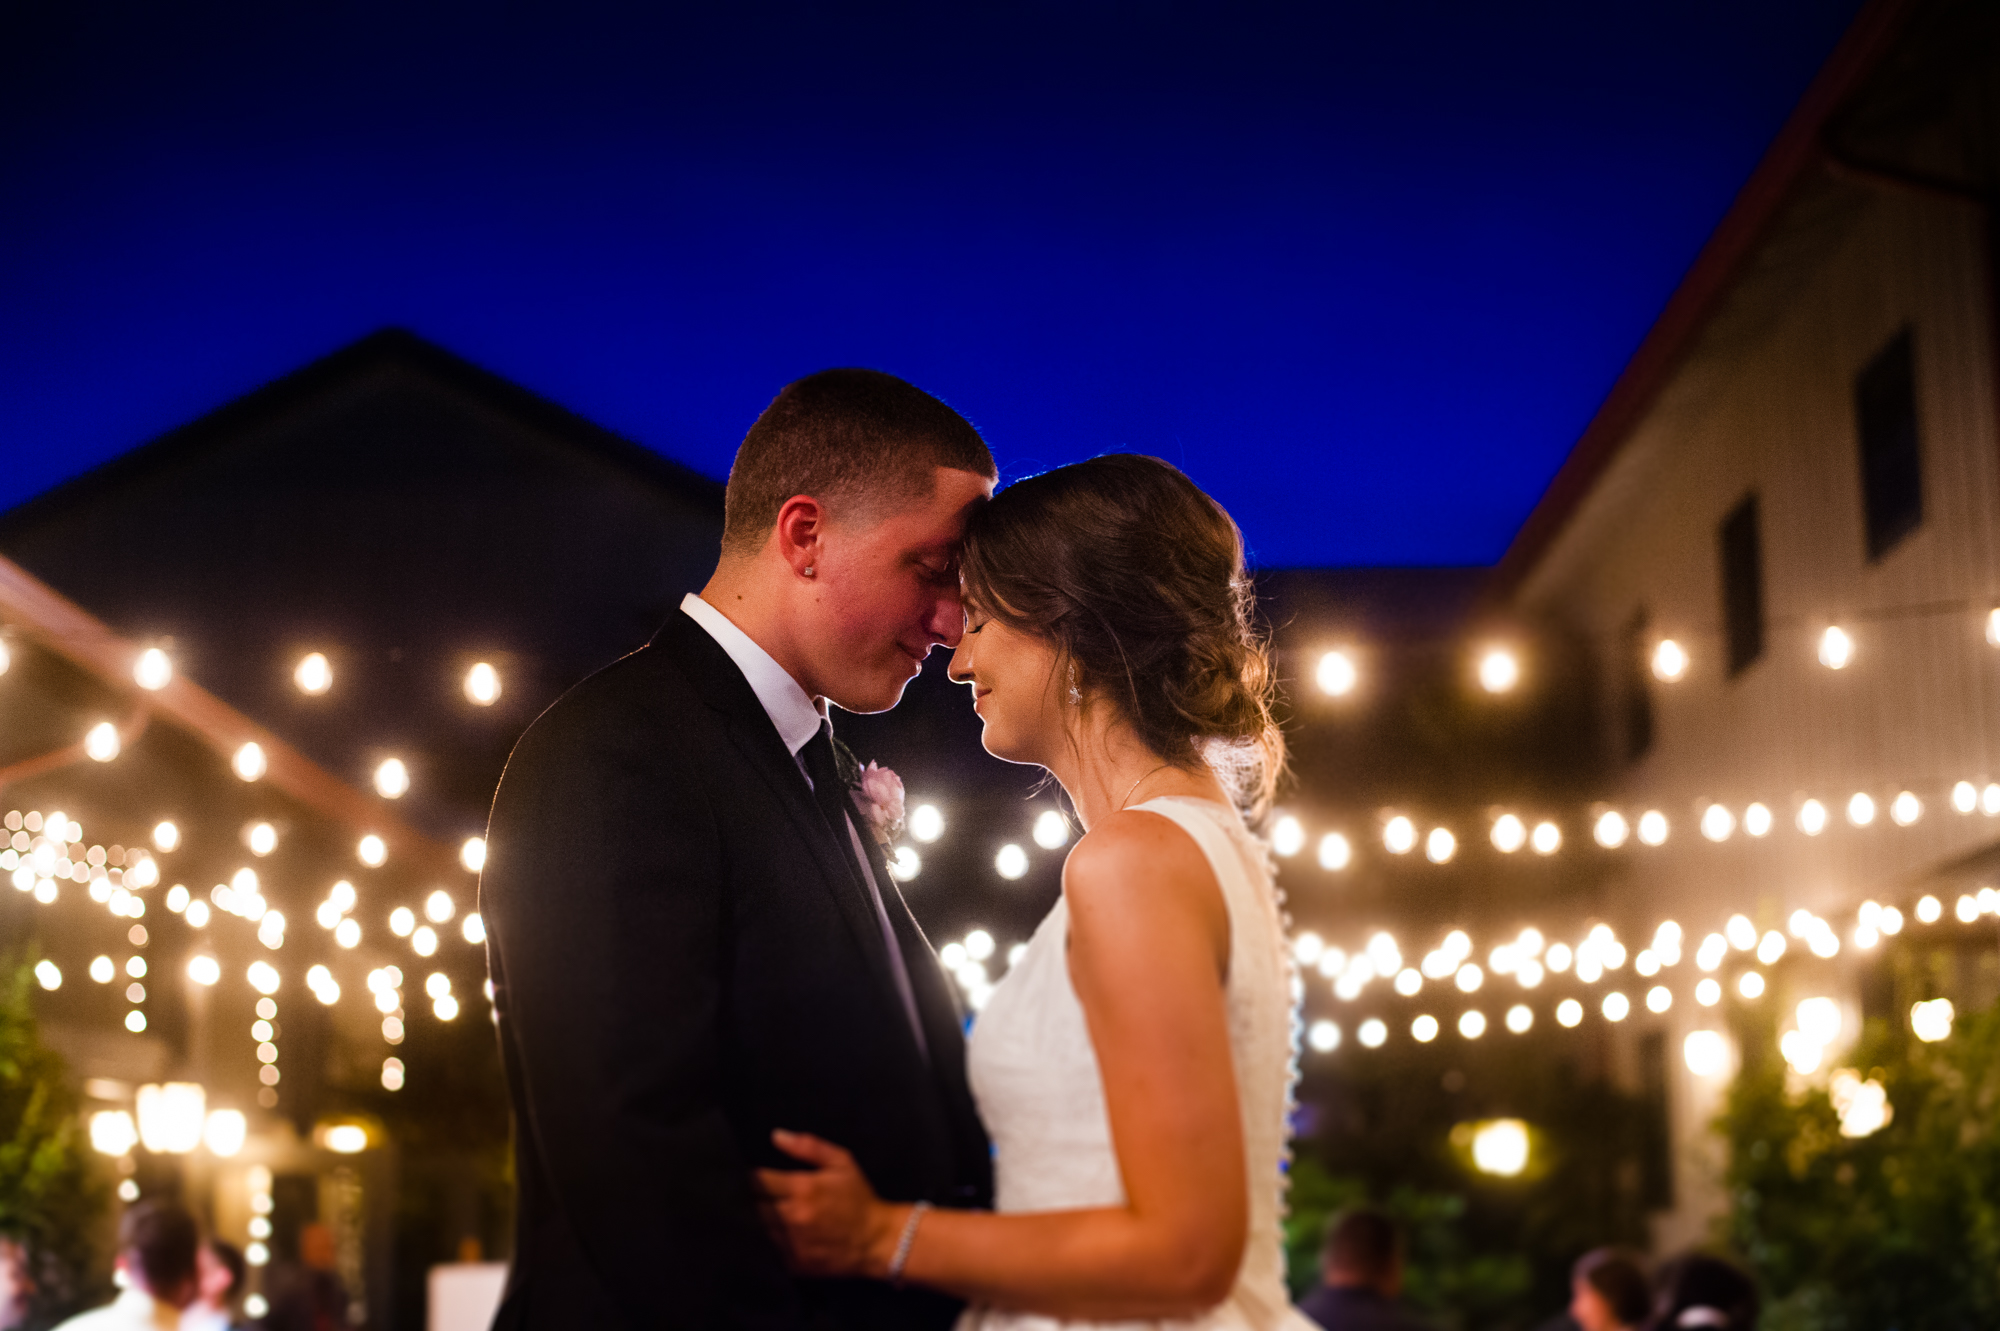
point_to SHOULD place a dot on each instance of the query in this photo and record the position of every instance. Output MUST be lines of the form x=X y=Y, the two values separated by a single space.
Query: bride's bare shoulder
x=1138 y=861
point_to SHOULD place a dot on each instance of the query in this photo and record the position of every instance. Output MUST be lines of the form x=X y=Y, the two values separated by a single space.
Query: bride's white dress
x=1034 y=1074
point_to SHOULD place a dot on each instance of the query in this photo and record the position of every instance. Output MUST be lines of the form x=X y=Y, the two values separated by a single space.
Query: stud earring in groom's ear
x=809 y=570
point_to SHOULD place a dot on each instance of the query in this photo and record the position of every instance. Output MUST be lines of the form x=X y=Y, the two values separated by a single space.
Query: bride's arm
x=1149 y=943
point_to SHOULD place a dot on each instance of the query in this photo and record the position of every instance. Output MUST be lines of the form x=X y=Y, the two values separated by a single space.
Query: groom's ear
x=800 y=533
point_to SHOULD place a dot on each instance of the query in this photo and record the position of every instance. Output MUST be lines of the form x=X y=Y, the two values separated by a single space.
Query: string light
x=482 y=685
x=1757 y=820
x=1520 y=1018
x=1288 y=836
x=1399 y=835
x=1335 y=853
x=392 y=779
x=1610 y=829
x=372 y=851
x=1717 y=823
x=313 y=675
x=249 y=762
x=1499 y=670
x=1569 y=1013
x=166 y=836
x=1653 y=828
x=1440 y=845
x=1812 y=818
x=1336 y=675
x=1836 y=648
x=926 y=822
x=1424 y=1029
x=1860 y=809
x=1546 y=839
x=1670 y=661
x=1051 y=830
x=101 y=744
x=153 y=670
x=1011 y=862
x=1509 y=834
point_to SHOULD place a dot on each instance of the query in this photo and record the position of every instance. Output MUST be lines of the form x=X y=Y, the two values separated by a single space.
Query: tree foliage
x=1899 y=1229
x=54 y=1197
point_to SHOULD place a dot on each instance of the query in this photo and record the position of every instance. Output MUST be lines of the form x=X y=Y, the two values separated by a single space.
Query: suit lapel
x=722 y=685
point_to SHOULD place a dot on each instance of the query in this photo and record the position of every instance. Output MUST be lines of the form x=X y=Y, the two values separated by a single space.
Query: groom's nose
x=947 y=619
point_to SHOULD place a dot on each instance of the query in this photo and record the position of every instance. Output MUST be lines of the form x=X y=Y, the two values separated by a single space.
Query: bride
x=1134 y=1066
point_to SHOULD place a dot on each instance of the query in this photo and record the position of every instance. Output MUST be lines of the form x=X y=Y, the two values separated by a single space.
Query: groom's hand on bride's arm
x=832 y=1222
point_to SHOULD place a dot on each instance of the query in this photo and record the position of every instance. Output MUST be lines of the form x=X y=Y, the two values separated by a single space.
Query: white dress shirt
x=133 y=1310
x=798 y=718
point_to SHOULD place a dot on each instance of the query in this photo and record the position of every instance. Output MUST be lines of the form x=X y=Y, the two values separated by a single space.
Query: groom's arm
x=601 y=892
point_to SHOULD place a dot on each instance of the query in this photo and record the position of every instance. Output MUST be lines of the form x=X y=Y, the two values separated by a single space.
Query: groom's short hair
x=856 y=440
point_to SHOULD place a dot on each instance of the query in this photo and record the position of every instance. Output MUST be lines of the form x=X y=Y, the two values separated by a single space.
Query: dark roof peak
x=387 y=349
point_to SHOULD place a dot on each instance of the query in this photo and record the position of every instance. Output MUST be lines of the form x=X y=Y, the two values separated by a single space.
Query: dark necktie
x=830 y=792
x=837 y=806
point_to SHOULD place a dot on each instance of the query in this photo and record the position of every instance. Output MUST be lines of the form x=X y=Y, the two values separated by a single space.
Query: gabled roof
x=388 y=348
x=1798 y=150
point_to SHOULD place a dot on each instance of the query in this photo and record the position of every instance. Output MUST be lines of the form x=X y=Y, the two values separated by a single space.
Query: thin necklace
x=1135 y=785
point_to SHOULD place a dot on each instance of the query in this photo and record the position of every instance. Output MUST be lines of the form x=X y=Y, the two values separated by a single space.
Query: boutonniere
x=878 y=794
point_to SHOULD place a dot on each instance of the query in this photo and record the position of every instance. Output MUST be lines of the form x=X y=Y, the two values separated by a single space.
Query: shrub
x=53 y=1196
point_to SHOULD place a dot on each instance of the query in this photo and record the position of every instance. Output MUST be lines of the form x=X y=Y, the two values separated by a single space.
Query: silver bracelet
x=904 y=1244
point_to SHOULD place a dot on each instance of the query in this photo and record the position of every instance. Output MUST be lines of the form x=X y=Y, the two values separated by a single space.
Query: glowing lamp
x=1336 y=674
x=153 y=670
x=101 y=744
x=172 y=1117
x=482 y=685
x=1500 y=1147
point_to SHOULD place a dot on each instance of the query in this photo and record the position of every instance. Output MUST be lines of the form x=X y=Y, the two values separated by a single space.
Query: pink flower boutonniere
x=878 y=793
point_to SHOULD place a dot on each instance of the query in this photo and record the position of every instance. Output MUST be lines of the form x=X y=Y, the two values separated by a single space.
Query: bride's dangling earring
x=1075 y=693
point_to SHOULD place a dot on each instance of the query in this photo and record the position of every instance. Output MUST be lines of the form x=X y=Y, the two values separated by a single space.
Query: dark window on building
x=1637 y=676
x=1892 y=477
x=1742 y=585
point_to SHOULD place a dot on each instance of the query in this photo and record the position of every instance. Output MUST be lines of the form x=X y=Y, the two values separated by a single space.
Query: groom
x=691 y=928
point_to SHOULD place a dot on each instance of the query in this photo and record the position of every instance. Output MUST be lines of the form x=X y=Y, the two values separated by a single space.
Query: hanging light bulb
x=1336 y=675
x=101 y=744
x=1499 y=670
x=1836 y=649
x=482 y=685
x=313 y=675
x=153 y=670
x=1670 y=661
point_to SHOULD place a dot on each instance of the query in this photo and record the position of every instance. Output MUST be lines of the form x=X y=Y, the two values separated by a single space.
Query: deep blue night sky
x=1365 y=274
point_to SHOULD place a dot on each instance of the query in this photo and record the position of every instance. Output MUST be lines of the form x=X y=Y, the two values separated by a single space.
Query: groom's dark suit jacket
x=682 y=961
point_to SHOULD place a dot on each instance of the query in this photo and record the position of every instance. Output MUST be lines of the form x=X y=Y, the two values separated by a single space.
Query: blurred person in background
x=1703 y=1293
x=219 y=1273
x=17 y=1285
x=308 y=1295
x=1361 y=1276
x=1609 y=1291
x=156 y=1264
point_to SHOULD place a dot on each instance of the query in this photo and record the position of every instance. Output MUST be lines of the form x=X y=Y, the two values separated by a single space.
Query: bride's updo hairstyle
x=1137 y=578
